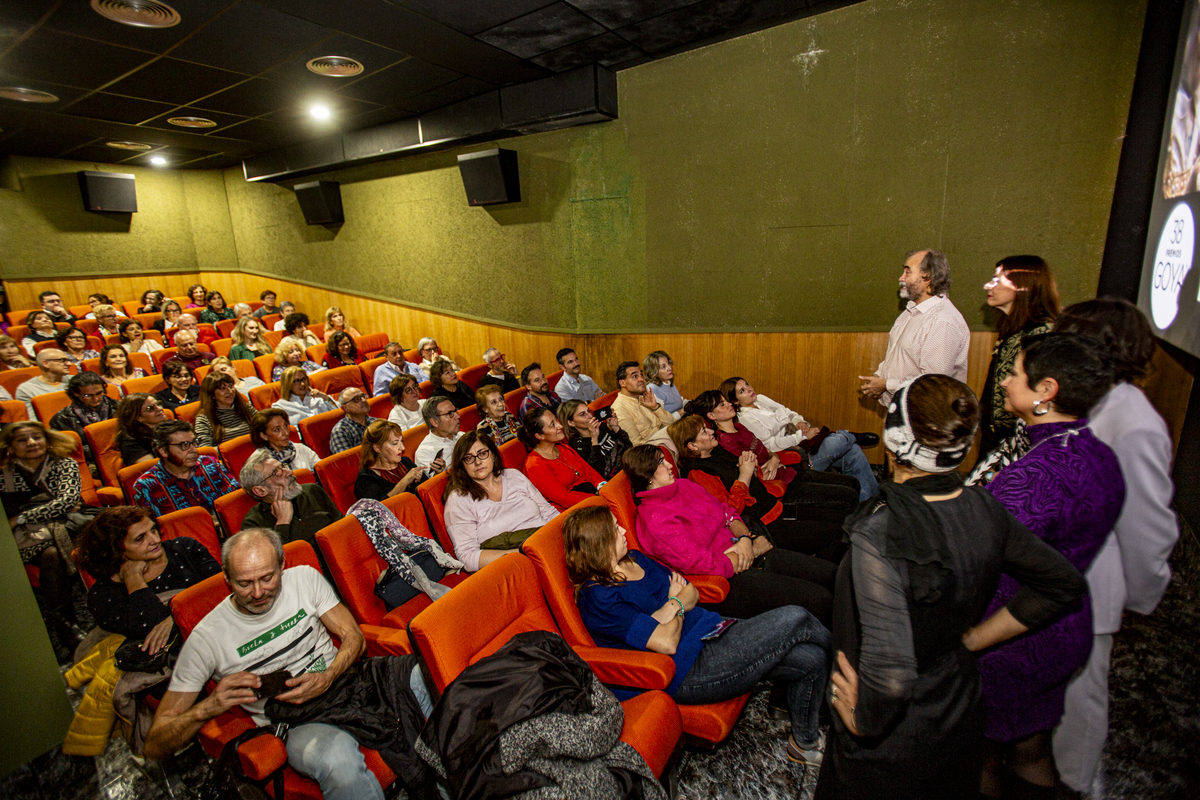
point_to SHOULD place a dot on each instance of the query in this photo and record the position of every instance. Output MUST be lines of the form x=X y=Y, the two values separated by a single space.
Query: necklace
x=1072 y=432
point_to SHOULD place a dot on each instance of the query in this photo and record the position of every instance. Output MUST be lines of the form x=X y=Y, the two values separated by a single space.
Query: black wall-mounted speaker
x=321 y=202
x=108 y=191
x=490 y=177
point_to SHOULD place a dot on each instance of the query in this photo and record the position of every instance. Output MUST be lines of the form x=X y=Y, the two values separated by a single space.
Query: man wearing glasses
x=395 y=365
x=442 y=418
x=350 y=429
x=52 y=304
x=182 y=478
x=293 y=510
x=53 y=364
x=501 y=372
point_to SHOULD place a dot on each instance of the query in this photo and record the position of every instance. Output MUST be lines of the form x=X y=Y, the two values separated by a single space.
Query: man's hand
x=305 y=687
x=510 y=368
x=233 y=690
x=741 y=554
x=157 y=638
x=437 y=465
x=281 y=507
x=648 y=399
x=872 y=385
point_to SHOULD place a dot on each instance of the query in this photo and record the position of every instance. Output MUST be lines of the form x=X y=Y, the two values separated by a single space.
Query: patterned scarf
x=394 y=542
x=285 y=456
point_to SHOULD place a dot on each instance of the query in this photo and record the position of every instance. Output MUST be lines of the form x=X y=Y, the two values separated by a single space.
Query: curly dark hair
x=101 y=546
x=1122 y=330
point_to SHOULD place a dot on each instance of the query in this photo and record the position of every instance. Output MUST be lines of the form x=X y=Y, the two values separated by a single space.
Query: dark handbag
x=394 y=591
x=130 y=657
x=225 y=779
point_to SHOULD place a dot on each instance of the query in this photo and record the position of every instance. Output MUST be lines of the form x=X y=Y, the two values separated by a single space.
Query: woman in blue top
x=629 y=600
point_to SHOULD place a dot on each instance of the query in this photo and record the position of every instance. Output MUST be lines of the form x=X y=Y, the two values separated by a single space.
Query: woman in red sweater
x=553 y=466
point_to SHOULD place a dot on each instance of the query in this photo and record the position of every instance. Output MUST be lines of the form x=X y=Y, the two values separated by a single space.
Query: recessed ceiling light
x=138 y=13
x=335 y=66
x=158 y=161
x=320 y=111
x=26 y=95
x=192 y=122
x=130 y=145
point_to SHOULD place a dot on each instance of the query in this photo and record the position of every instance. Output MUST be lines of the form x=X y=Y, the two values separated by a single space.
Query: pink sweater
x=686 y=528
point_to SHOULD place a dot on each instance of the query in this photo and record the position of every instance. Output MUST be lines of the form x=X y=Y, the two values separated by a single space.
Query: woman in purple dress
x=1068 y=490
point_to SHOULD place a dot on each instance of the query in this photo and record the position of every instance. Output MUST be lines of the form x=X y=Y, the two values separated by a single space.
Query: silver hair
x=429 y=409
x=252 y=473
x=936 y=267
x=240 y=306
x=488 y=352
x=249 y=535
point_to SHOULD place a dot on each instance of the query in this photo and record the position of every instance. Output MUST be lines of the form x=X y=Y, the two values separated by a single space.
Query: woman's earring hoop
x=1041 y=412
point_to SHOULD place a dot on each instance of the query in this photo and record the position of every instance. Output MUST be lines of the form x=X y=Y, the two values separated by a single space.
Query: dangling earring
x=1041 y=412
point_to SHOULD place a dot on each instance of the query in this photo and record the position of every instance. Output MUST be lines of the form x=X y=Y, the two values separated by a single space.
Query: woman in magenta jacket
x=558 y=472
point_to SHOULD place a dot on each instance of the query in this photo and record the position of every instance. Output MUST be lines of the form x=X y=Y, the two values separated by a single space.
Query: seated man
x=279 y=619
x=396 y=364
x=286 y=308
x=100 y=299
x=54 y=378
x=500 y=372
x=187 y=322
x=539 y=395
x=188 y=352
x=268 y=304
x=350 y=429
x=241 y=310
x=441 y=417
x=296 y=325
x=293 y=510
x=182 y=478
x=574 y=385
x=52 y=304
x=638 y=410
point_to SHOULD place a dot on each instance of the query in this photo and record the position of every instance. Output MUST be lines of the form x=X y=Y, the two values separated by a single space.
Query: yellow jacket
x=93 y=723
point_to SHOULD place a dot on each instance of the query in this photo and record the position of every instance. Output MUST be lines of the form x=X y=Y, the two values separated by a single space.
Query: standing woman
x=74 y=344
x=134 y=340
x=659 y=369
x=269 y=431
x=181 y=386
x=248 y=341
x=41 y=329
x=924 y=561
x=335 y=322
x=215 y=309
x=170 y=317
x=1025 y=294
x=224 y=413
x=384 y=470
x=115 y=367
x=1068 y=490
x=558 y=472
x=340 y=351
x=196 y=294
x=601 y=444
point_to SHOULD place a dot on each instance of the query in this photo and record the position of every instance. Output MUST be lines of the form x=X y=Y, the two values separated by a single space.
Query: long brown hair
x=589 y=543
x=1037 y=293
x=461 y=482
x=377 y=433
x=208 y=402
x=128 y=416
x=259 y=422
x=640 y=463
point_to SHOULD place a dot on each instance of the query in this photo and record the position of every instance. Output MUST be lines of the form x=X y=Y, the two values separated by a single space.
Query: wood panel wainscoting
x=75 y=291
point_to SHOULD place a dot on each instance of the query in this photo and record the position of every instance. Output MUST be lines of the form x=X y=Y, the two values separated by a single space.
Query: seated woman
x=248 y=341
x=196 y=295
x=224 y=366
x=11 y=356
x=659 y=370
x=269 y=431
x=171 y=312
x=74 y=345
x=340 y=351
x=384 y=470
x=40 y=487
x=297 y=397
x=496 y=420
x=122 y=550
x=108 y=321
x=406 y=399
x=133 y=338
x=115 y=367
x=224 y=414
x=780 y=428
x=335 y=322
x=444 y=378
x=290 y=353
x=733 y=480
x=41 y=329
x=181 y=386
x=490 y=510
x=89 y=404
x=692 y=532
x=629 y=600
x=137 y=415
x=601 y=444
x=286 y=309
x=98 y=299
x=215 y=309
x=552 y=465
x=151 y=303
x=429 y=352
x=296 y=325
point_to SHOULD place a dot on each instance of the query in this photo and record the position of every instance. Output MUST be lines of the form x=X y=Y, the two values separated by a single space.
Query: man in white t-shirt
x=274 y=619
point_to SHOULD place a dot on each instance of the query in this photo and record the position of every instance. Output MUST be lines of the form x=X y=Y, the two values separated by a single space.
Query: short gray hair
x=488 y=352
x=252 y=472
x=249 y=536
x=387 y=348
x=241 y=306
x=936 y=267
x=429 y=409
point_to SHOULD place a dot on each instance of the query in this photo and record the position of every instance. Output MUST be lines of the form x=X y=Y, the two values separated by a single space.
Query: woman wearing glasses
x=406 y=398
x=385 y=470
x=181 y=386
x=74 y=344
x=89 y=404
x=297 y=397
x=429 y=352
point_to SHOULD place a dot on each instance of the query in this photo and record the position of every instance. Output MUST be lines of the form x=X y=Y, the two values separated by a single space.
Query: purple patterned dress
x=1068 y=490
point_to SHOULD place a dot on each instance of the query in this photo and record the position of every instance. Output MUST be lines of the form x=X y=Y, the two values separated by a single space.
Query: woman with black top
x=181 y=386
x=446 y=384
x=89 y=404
x=925 y=559
x=152 y=300
x=600 y=443
x=171 y=312
x=224 y=413
x=340 y=351
x=385 y=470
x=137 y=415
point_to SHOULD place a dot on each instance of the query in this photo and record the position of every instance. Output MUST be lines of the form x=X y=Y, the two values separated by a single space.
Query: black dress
x=134 y=448
x=920 y=712
x=462 y=397
x=605 y=455
x=371 y=485
x=167 y=399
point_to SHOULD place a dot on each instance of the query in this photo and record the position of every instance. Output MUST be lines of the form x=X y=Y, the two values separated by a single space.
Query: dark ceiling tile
x=373 y=57
x=43 y=142
x=474 y=16
x=399 y=81
x=105 y=155
x=341 y=108
x=250 y=99
x=691 y=24
x=28 y=12
x=541 y=31
x=271 y=134
x=172 y=81
x=77 y=16
x=65 y=94
x=10 y=32
x=70 y=60
x=619 y=13
x=461 y=89
x=377 y=117
x=222 y=120
x=605 y=49
x=214 y=161
x=117 y=108
x=250 y=38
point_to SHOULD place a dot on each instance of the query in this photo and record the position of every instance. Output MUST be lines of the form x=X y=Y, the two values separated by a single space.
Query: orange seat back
x=545 y=550
x=468 y=418
x=618 y=493
x=273 y=337
x=13 y=411
x=431 y=492
x=337 y=474
x=381 y=406
x=265 y=365
x=262 y=397
x=412 y=439
x=195 y=523
x=10 y=379
x=149 y=384
x=315 y=430
x=225 y=329
x=102 y=438
x=471 y=375
x=17 y=319
x=371 y=343
x=316 y=353
x=603 y=402
x=553 y=378
x=412 y=356
x=317 y=329
x=367 y=368
x=513 y=454
x=222 y=346
x=268 y=321
x=333 y=381
x=147 y=320
x=188 y=411
x=513 y=400
x=426 y=389
x=80 y=311
x=131 y=307
x=87 y=483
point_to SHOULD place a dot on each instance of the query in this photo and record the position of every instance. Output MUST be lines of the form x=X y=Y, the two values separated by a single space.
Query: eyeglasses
x=453 y=411
x=497 y=360
x=90 y=395
x=477 y=458
x=358 y=398
x=190 y=444
x=275 y=473
x=48 y=360
x=150 y=405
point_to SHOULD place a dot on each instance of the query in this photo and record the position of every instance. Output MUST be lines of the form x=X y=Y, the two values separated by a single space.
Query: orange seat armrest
x=384 y=641
x=633 y=668
x=712 y=588
x=262 y=756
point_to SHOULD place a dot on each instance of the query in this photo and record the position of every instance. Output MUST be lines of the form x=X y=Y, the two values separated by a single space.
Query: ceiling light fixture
x=138 y=13
x=192 y=122
x=158 y=161
x=23 y=95
x=335 y=66
x=319 y=111
x=130 y=145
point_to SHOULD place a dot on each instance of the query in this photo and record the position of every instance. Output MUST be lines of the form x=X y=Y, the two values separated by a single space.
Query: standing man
x=638 y=411
x=52 y=304
x=540 y=396
x=396 y=364
x=929 y=337
x=350 y=429
x=574 y=385
x=501 y=372
x=445 y=429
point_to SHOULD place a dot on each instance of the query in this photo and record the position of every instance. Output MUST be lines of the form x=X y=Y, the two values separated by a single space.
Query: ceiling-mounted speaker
x=490 y=177
x=321 y=202
x=108 y=191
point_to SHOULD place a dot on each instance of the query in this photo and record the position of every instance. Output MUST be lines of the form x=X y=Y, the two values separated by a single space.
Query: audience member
x=134 y=340
x=574 y=385
x=224 y=414
x=52 y=304
x=11 y=356
x=349 y=430
x=628 y=600
x=290 y=353
x=490 y=510
x=501 y=372
x=188 y=352
x=98 y=299
x=196 y=296
x=286 y=309
x=341 y=351
x=495 y=420
x=248 y=341
x=181 y=386
x=1025 y=294
x=601 y=444
x=335 y=322
x=222 y=365
x=922 y=567
x=186 y=322
x=89 y=404
x=429 y=352
x=171 y=312
x=108 y=321
x=241 y=310
x=41 y=329
x=54 y=378
x=441 y=417
x=659 y=369
x=552 y=465
x=540 y=394
x=268 y=304
x=384 y=470
x=293 y=510
x=269 y=432
x=637 y=408
x=137 y=416
x=929 y=337
x=182 y=478
x=152 y=302
x=115 y=367
x=396 y=364
x=296 y=325
x=446 y=384
x=297 y=397
x=74 y=345
x=1131 y=570
x=406 y=401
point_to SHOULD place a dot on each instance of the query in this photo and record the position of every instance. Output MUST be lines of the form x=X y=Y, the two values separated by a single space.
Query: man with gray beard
x=295 y=511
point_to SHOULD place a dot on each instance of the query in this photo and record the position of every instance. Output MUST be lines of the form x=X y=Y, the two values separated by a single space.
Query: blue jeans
x=839 y=449
x=784 y=644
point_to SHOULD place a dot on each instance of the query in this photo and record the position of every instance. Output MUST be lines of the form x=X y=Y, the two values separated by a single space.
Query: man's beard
x=245 y=603
x=293 y=490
